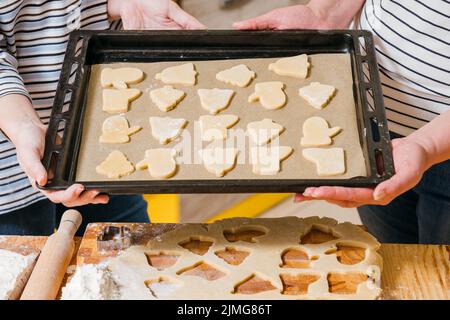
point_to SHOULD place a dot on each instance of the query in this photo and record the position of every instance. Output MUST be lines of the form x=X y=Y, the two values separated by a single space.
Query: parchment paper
x=332 y=69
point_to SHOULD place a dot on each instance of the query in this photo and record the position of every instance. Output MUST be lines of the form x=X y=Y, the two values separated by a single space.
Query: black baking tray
x=86 y=48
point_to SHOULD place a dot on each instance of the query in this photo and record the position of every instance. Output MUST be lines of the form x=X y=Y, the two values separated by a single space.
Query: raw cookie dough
x=116 y=165
x=160 y=163
x=316 y=132
x=116 y=129
x=215 y=100
x=329 y=162
x=120 y=78
x=117 y=101
x=167 y=98
x=270 y=94
x=218 y=159
x=266 y=160
x=239 y=75
x=184 y=74
x=296 y=66
x=216 y=127
x=133 y=272
x=264 y=131
x=166 y=129
x=318 y=95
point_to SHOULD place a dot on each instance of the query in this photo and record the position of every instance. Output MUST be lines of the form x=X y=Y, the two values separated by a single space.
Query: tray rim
x=73 y=136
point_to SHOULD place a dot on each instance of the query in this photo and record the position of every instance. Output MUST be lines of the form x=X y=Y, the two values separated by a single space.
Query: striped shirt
x=412 y=43
x=33 y=40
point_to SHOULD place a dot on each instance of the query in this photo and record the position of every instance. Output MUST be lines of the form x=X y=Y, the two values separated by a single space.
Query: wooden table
x=409 y=271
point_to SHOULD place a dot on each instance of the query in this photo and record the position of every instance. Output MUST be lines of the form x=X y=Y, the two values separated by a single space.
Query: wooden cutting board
x=409 y=271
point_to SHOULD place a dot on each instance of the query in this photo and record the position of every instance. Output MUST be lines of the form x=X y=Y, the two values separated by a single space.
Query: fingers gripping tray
x=73 y=150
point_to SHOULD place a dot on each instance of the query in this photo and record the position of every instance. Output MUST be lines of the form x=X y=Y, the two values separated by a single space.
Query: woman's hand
x=317 y=14
x=152 y=15
x=29 y=140
x=411 y=160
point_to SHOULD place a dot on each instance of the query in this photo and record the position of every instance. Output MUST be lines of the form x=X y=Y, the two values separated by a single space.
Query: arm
x=151 y=15
x=413 y=155
x=21 y=124
x=317 y=14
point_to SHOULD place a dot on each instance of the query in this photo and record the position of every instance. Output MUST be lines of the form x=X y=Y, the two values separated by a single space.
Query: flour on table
x=118 y=100
x=166 y=129
x=215 y=100
x=167 y=98
x=12 y=267
x=266 y=160
x=329 y=162
x=184 y=74
x=115 y=165
x=91 y=282
x=120 y=78
x=316 y=132
x=264 y=131
x=116 y=129
x=318 y=95
x=269 y=94
x=239 y=75
x=216 y=127
x=296 y=66
x=160 y=162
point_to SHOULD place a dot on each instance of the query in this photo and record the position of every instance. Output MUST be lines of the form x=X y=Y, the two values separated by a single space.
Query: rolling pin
x=48 y=274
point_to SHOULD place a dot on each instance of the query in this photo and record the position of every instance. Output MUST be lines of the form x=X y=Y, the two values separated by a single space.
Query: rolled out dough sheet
x=333 y=69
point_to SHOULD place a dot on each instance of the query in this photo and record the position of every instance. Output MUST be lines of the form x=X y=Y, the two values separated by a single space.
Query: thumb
x=30 y=162
x=266 y=21
x=402 y=181
x=183 y=18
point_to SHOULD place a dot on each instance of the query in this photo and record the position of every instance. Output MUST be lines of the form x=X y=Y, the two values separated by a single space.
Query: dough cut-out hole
x=296 y=258
x=246 y=233
x=252 y=285
x=297 y=284
x=161 y=287
x=232 y=255
x=196 y=244
x=348 y=254
x=345 y=283
x=317 y=235
x=203 y=270
x=161 y=260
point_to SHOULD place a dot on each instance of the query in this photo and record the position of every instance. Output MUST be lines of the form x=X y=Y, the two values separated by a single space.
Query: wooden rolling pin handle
x=48 y=274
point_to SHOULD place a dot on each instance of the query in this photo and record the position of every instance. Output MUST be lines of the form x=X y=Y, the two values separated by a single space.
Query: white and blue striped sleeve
x=10 y=80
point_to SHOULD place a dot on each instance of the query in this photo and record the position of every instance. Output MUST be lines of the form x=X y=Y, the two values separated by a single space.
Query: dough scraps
x=270 y=94
x=329 y=162
x=184 y=74
x=318 y=95
x=216 y=127
x=167 y=98
x=160 y=162
x=117 y=101
x=266 y=160
x=316 y=132
x=116 y=129
x=218 y=159
x=133 y=272
x=166 y=129
x=120 y=78
x=239 y=75
x=296 y=66
x=264 y=131
x=115 y=165
x=215 y=100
